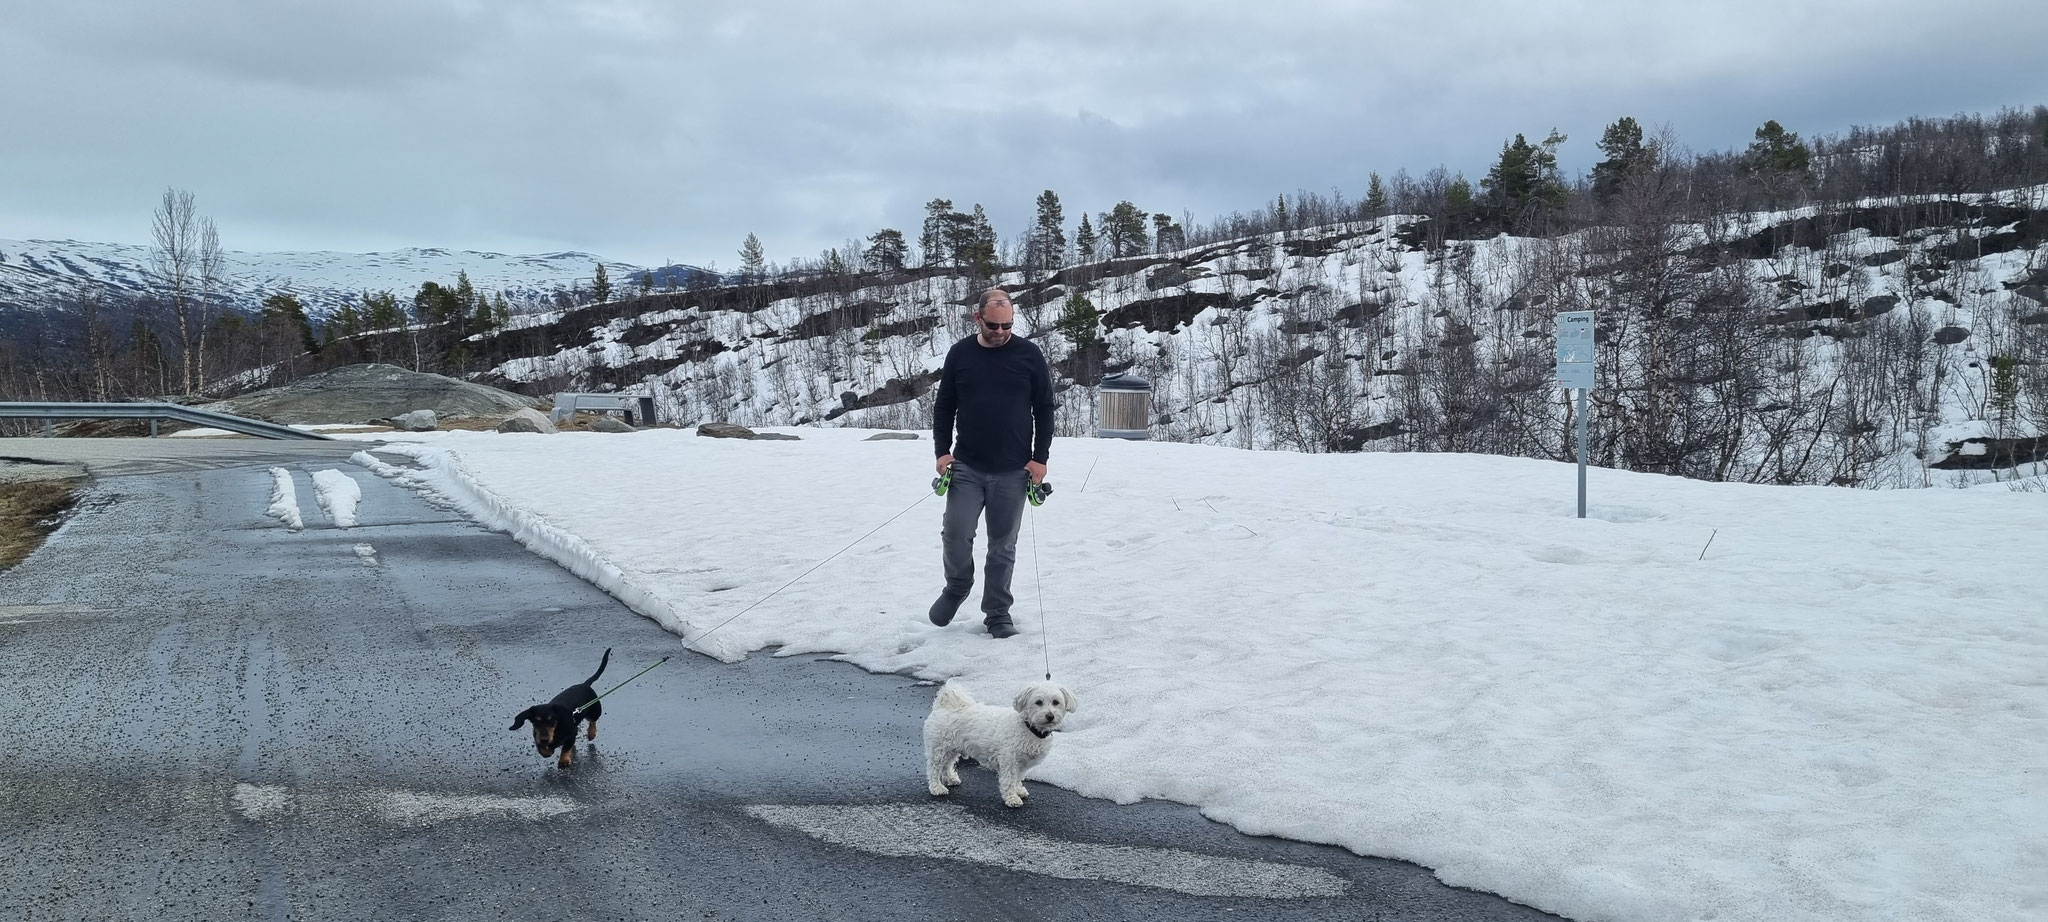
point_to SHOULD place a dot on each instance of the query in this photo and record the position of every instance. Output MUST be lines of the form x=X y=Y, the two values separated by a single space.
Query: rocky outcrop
x=359 y=393
x=527 y=420
x=416 y=421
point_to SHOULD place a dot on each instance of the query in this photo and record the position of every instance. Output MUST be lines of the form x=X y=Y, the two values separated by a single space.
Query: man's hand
x=1036 y=470
x=945 y=461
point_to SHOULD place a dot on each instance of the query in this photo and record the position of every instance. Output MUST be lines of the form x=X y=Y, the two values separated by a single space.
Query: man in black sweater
x=997 y=392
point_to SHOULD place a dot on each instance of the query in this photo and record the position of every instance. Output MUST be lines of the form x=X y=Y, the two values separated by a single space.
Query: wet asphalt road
x=216 y=718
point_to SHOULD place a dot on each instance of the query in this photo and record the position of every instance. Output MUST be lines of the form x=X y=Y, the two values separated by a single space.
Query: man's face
x=996 y=319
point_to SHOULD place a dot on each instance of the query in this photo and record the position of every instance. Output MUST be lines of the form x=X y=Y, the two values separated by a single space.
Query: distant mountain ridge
x=37 y=276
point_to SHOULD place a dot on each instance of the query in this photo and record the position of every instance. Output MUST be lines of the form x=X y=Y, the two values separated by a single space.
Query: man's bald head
x=995 y=309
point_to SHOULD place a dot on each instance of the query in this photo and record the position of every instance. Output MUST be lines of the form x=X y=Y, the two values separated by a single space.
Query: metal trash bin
x=1125 y=404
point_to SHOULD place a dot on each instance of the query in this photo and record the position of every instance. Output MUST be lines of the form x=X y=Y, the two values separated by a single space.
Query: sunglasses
x=998 y=326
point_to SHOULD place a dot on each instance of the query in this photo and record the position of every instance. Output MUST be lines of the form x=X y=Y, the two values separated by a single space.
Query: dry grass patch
x=28 y=513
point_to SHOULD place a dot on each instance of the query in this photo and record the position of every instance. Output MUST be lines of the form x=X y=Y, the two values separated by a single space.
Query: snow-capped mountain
x=39 y=275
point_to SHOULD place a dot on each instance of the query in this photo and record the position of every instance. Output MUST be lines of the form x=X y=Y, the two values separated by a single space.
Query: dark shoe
x=1000 y=628
x=944 y=607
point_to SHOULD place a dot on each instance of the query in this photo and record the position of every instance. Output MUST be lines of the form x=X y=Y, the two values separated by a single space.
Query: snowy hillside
x=33 y=272
x=1851 y=346
x=1830 y=713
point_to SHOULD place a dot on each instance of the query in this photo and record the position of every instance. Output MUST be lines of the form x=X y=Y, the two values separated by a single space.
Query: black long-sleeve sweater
x=1001 y=400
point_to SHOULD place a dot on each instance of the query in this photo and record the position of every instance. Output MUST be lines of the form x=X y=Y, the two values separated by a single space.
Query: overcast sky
x=650 y=131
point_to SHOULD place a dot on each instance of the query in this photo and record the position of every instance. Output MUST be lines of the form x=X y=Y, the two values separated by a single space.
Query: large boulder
x=359 y=393
x=776 y=437
x=888 y=436
x=527 y=420
x=416 y=421
x=610 y=424
x=725 y=431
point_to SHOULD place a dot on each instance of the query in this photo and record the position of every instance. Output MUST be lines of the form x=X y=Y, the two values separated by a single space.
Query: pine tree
x=483 y=320
x=980 y=254
x=932 y=242
x=1777 y=160
x=1080 y=322
x=601 y=284
x=1280 y=212
x=1048 y=234
x=1776 y=150
x=646 y=284
x=283 y=309
x=2005 y=389
x=1084 y=241
x=381 y=312
x=753 y=261
x=346 y=321
x=885 y=251
x=1458 y=204
x=1525 y=186
x=503 y=312
x=1622 y=142
x=1123 y=229
x=1375 y=198
x=465 y=293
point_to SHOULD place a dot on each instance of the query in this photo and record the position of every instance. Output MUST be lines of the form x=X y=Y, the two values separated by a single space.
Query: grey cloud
x=651 y=130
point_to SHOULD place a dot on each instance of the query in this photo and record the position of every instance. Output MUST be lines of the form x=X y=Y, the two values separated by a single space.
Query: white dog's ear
x=1023 y=698
x=1073 y=703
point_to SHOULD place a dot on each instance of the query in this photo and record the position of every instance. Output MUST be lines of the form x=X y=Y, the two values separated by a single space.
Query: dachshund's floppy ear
x=1073 y=703
x=520 y=720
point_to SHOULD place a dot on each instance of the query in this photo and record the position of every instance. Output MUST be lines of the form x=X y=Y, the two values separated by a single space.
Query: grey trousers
x=1001 y=495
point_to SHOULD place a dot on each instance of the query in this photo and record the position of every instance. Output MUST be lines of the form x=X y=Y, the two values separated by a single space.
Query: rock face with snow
x=527 y=420
x=358 y=393
x=416 y=421
x=32 y=271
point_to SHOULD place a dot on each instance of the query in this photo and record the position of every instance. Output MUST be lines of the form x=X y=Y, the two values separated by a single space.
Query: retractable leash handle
x=943 y=482
x=1038 y=492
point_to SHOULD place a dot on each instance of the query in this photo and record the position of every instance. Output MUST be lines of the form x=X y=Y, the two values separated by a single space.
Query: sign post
x=1575 y=372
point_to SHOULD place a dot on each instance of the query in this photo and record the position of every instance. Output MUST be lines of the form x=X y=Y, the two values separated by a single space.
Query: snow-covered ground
x=338 y=495
x=1833 y=713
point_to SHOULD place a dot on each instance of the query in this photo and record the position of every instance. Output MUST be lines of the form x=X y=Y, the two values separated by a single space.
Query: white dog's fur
x=996 y=737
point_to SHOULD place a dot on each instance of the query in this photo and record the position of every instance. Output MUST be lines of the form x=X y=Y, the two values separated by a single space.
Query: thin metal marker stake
x=1710 y=543
x=580 y=707
x=1091 y=473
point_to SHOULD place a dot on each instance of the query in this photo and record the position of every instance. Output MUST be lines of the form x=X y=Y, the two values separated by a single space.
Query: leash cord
x=814 y=567
x=579 y=708
x=1044 y=638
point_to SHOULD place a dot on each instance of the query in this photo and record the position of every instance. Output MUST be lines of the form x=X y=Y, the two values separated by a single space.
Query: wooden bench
x=567 y=403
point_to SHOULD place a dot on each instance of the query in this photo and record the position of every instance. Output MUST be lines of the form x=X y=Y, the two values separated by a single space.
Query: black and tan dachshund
x=554 y=723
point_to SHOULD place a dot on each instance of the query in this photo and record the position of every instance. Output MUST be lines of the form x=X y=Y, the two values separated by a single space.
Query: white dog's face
x=1045 y=705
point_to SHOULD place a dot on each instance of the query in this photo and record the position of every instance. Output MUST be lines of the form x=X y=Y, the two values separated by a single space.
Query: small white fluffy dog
x=1010 y=740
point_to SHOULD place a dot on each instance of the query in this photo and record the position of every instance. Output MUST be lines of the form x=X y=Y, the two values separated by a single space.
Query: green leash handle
x=579 y=708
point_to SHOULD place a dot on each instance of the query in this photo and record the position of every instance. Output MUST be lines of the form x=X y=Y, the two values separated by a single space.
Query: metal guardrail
x=50 y=412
